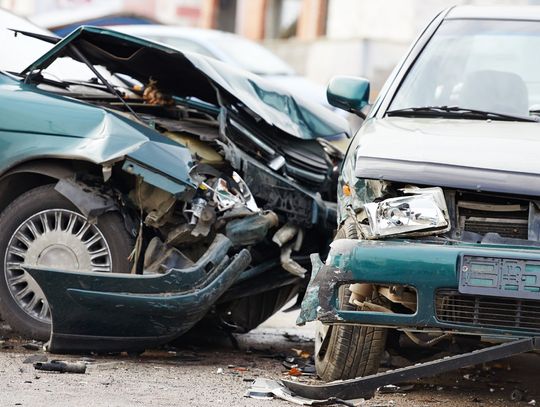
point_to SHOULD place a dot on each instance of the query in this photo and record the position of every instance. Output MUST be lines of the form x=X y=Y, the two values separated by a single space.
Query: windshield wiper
x=456 y=111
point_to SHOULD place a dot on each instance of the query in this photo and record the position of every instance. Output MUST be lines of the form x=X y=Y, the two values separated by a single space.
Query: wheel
x=43 y=228
x=347 y=351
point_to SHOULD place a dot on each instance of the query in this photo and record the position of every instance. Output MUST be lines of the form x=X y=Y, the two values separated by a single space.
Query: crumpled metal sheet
x=180 y=74
x=267 y=389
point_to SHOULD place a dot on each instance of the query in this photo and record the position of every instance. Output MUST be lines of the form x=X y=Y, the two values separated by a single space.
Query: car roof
x=170 y=30
x=531 y=13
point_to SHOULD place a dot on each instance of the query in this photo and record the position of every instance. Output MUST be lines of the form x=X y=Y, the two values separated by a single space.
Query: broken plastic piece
x=289 y=264
x=294 y=371
x=285 y=234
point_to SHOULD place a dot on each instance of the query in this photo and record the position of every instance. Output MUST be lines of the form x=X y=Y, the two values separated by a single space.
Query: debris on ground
x=301 y=365
x=517 y=395
x=294 y=371
x=61 y=366
x=34 y=345
x=301 y=353
x=296 y=338
x=267 y=389
x=237 y=368
x=391 y=388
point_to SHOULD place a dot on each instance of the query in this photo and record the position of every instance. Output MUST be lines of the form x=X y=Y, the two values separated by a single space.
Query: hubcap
x=54 y=238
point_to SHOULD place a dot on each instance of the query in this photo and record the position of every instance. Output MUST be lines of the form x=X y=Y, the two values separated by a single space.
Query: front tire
x=347 y=351
x=43 y=228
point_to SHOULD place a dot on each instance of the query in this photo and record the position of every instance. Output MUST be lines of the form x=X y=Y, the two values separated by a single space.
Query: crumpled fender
x=112 y=312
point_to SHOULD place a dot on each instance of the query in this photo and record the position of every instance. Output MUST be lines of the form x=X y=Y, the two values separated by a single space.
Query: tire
x=249 y=312
x=41 y=227
x=347 y=351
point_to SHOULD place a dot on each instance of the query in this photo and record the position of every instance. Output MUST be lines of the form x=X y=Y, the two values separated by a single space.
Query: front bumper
x=110 y=312
x=428 y=267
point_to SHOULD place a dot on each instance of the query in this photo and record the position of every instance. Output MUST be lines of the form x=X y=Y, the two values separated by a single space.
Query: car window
x=477 y=64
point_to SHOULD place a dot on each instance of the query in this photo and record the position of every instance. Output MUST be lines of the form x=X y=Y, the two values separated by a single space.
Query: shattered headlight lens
x=422 y=209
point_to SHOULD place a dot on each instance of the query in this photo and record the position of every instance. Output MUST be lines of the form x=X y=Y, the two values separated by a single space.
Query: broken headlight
x=420 y=210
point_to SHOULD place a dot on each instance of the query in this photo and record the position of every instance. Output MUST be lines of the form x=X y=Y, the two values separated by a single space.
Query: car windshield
x=251 y=56
x=488 y=65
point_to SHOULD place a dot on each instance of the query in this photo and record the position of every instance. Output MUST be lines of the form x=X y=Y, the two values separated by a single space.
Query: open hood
x=191 y=75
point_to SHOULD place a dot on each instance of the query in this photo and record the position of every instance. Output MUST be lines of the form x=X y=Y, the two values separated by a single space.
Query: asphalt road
x=213 y=373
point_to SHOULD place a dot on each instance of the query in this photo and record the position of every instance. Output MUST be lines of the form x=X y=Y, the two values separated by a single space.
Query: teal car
x=438 y=206
x=144 y=189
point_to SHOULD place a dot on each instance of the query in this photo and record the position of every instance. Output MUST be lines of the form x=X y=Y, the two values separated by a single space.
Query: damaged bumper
x=433 y=270
x=104 y=312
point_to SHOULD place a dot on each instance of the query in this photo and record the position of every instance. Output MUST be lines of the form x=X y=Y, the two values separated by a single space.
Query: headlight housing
x=420 y=211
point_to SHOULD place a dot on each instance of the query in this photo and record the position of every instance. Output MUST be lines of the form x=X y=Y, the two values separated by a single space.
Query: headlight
x=422 y=209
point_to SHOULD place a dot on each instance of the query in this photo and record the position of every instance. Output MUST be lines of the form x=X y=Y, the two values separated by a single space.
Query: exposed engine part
x=207 y=218
x=160 y=258
x=197 y=207
x=398 y=294
x=203 y=151
x=249 y=200
x=299 y=240
x=426 y=344
x=280 y=196
x=156 y=202
x=277 y=163
x=284 y=239
x=369 y=306
x=230 y=193
x=252 y=229
x=359 y=292
x=222 y=196
x=107 y=172
x=285 y=233
x=273 y=191
x=180 y=234
x=289 y=264
x=238 y=212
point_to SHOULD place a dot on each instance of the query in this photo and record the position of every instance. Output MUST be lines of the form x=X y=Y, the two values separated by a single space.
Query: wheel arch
x=31 y=174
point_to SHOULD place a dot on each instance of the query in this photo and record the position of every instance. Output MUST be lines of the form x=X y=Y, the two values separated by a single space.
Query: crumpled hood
x=185 y=74
x=474 y=154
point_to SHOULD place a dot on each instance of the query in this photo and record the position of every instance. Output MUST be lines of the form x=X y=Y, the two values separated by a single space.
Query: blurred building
x=320 y=38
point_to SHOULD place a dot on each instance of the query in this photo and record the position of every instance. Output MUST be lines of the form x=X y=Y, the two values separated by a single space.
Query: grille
x=510 y=229
x=506 y=219
x=495 y=312
x=305 y=160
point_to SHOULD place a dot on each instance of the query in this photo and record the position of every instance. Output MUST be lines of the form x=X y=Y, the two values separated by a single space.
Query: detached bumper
x=431 y=269
x=103 y=312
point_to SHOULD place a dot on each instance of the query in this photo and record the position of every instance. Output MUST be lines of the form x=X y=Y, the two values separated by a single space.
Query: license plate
x=500 y=277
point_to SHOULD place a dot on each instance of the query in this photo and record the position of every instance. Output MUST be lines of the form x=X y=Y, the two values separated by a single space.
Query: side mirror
x=348 y=93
